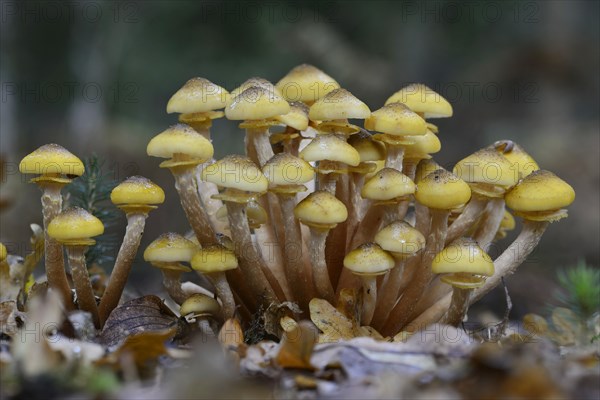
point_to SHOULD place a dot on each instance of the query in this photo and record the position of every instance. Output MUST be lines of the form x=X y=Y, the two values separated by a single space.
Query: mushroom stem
x=81 y=279
x=224 y=293
x=459 y=306
x=423 y=217
x=505 y=264
x=491 y=222
x=118 y=277
x=369 y=299
x=292 y=249
x=258 y=145
x=251 y=264
x=388 y=293
x=206 y=191
x=172 y=283
x=193 y=207
x=356 y=211
x=327 y=182
x=403 y=311
x=54 y=262
x=394 y=157
x=467 y=218
x=321 y=278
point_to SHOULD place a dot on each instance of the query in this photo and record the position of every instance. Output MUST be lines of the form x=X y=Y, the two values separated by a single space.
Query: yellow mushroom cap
x=297 y=118
x=286 y=169
x=3 y=252
x=51 y=159
x=368 y=149
x=331 y=148
x=425 y=167
x=396 y=119
x=254 y=81
x=400 y=238
x=486 y=166
x=137 y=190
x=75 y=226
x=540 y=191
x=255 y=214
x=196 y=96
x=422 y=146
x=442 y=190
x=170 y=247
x=369 y=259
x=214 y=258
x=463 y=256
x=236 y=172
x=180 y=139
x=306 y=83
x=321 y=209
x=508 y=222
x=198 y=305
x=387 y=184
x=422 y=99
x=256 y=103
x=521 y=162
x=338 y=104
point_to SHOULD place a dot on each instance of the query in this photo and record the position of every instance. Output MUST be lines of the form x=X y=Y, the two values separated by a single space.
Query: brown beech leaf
x=334 y=325
x=297 y=346
x=144 y=314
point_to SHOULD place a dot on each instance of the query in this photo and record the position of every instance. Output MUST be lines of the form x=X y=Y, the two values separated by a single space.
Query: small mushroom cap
x=486 y=166
x=331 y=148
x=51 y=159
x=369 y=259
x=286 y=169
x=463 y=256
x=137 y=190
x=368 y=149
x=399 y=238
x=321 y=209
x=387 y=184
x=521 y=162
x=297 y=118
x=196 y=96
x=422 y=146
x=254 y=81
x=425 y=167
x=180 y=139
x=508 y=221
x=170 y=248
x=422 y=99
x=3 y=252
x=540 y=191
x=442 y=190
x=236 y=172
x=338 y=104
x=198 y=305
x=215 y=258
x=396 y=119
x=255 y=213
x=256 y=103
x=306 y=83
x=75 y=226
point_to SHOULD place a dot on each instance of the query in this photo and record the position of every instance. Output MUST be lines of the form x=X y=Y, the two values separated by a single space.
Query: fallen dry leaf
x=297 y=346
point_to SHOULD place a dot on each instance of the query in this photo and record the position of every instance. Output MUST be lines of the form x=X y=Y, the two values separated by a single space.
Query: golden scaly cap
x=53 y=163
x=422 y=146
x=321 y=210
x=75 y=226
x=254 y=81
x=182 y=145
x=331 y=148
x=338 y=104
x=388 y=184
x=306 y=83
x=169 y=250
x=288 y=171
x=400 y=239
x=442 y=190
x=214 y=258
x=198 y=95
x=396 y=119
x=137 y=194
x=256 y=103
x=297 y=118
x=368 y=149
x=236 y=172
x=464 y=264
x=199 y=305
x=369 y=259
x=521 y=162
x=488 y=172
x=422 y=99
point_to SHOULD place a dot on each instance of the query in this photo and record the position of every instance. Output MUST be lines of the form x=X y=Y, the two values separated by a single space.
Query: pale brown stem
x=388 y=294
x=251 y=264
x=327 y=182
x=81 y=279
x=224 y=293
x=172 y=283
x=459 y=305
x=194 y=210
x=206 y=191
x=394 y=157
x=369 y=299
x=423 y=223
x=296 y=276
x=258 y=139
x=53 y=251
x=491 y=222
x=335 y=245
x=321 y=278
x=466 y=219
x=357 y=208
x=120 y=273
x=403 y=311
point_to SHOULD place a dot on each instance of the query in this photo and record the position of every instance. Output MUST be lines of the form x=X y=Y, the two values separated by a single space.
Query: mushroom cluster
x=318 y=207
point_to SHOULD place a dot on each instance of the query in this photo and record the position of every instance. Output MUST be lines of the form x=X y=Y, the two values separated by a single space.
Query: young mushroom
x=422 y=100
x=213 y=261
x=136 y=196
x=464 y=266
x=368 y=261
x=332 y=111
x=55 y=166
x=185 y=149
x=521 y=162
x=75 y=228
x=321 y=211
x=168 y=252
x=306 y=83
x=295 y=122
x=202 y=309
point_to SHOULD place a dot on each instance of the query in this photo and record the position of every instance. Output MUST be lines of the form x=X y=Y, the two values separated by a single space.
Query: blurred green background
x=95 y=77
